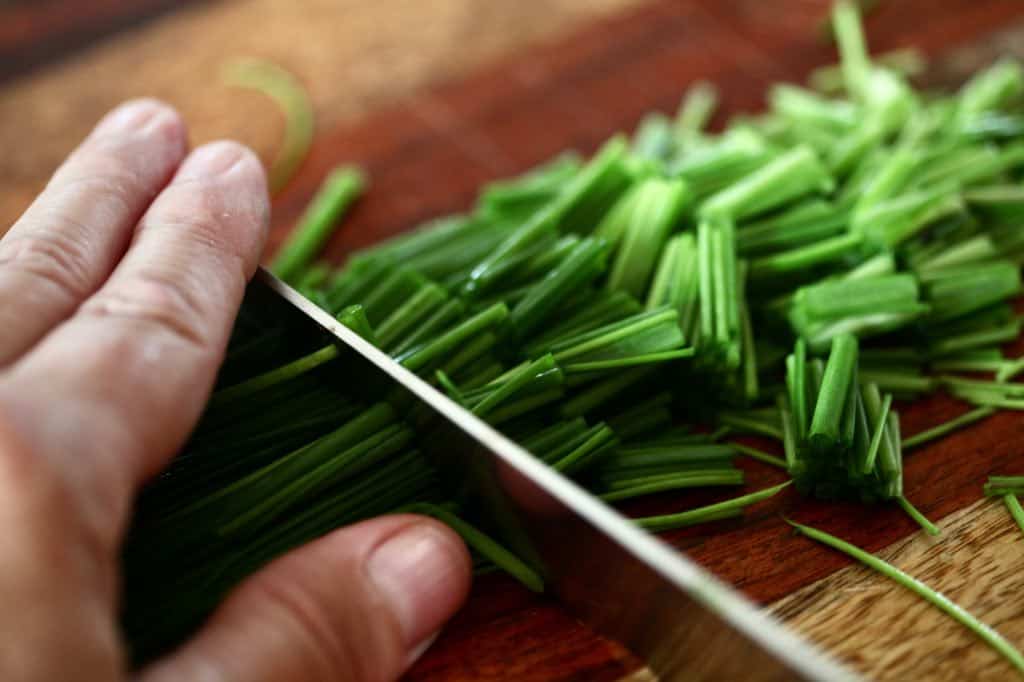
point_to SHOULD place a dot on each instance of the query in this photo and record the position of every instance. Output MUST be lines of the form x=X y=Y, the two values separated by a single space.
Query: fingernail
x=417 y=651
x=133 y=116
x=421 y=574
x=216 y=158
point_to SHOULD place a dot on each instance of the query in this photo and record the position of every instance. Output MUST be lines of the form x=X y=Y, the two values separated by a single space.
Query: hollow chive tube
x=336 y=194
x=839 y=372
x=790 y=176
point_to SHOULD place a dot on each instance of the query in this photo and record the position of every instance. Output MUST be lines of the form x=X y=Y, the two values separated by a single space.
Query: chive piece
x=759 y=455
x=982 y=631
x=948 y=427
x=336 y=194
x=790 y=176
x=678 y=481
x=750 y=422
x=417 y=358
x=654 y=208
x=580 y=266
x=286 y=90
x=920 y=518
x=1000 y=485
x=711 y=512
x=839 y=373
x=876 y=437
x=1013 y=506
x=274 y=377
x=604 y=166
x=696 y=109
x=473 y=537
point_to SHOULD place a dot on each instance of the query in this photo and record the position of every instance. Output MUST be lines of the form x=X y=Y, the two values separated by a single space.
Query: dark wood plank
x=36 y=32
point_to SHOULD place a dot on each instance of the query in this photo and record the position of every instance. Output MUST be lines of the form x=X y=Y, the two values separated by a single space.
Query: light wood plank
x=888 y=633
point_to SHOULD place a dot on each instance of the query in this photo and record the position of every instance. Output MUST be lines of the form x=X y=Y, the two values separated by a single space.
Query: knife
x=617 y=578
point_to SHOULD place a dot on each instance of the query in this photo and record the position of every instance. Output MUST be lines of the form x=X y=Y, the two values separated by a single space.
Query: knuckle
x=156 y=299
x=57 y=256
x=304 y=618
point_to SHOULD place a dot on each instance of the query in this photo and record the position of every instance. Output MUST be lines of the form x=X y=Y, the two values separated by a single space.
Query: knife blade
x=617 y=578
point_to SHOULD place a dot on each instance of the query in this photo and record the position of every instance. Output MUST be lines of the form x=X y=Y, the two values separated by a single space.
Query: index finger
x=120 y=384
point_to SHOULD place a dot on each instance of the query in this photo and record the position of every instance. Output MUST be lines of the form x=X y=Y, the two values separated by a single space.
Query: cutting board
x=434 y=101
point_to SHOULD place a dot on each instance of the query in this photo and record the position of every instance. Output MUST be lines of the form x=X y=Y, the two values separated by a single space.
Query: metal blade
x=622 y=581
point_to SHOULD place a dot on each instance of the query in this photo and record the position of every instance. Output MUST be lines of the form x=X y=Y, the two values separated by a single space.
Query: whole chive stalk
x=342 y=187
x=979 y=629
x=948 y=427
x=286 y=90
x=712 y=512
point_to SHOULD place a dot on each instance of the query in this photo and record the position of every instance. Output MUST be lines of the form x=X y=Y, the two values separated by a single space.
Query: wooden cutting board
x=435 y=98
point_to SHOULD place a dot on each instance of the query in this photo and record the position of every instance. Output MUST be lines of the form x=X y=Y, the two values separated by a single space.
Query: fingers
x=71 y=237
x=119 y=385
x=359 y=604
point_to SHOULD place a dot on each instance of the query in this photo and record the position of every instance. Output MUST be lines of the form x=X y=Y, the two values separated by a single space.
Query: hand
x=118 y=288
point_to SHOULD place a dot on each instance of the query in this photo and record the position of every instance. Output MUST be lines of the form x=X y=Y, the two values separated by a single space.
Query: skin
x=118 y=288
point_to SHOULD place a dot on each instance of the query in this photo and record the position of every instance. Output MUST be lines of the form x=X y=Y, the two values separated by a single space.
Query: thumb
x=359 y=604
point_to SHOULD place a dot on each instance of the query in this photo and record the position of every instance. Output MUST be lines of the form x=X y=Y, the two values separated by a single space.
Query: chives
x=318 y=222
x=979 y=629
x=711 y=512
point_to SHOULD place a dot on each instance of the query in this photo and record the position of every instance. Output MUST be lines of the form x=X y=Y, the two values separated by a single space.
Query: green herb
x=948 y=427
x=711 y=512
x=339 y=190
x=288 y=93
x=979 y=629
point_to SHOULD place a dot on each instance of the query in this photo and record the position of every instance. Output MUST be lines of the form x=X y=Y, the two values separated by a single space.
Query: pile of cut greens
x=597 y=311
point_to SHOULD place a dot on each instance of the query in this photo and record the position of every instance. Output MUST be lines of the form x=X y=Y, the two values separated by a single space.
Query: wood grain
x=441 y=124
x=354 y=56
x=35 y=32
x=888 y=633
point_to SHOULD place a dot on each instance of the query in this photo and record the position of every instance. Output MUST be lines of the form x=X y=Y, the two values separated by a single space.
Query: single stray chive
x=982 y=631
x=947 y=427
x=711 y=512
x=286 y=90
